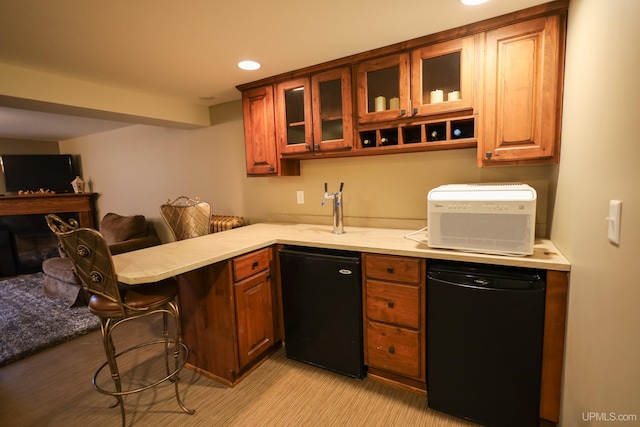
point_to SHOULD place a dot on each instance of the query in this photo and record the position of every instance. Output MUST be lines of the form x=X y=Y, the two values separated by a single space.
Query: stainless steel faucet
x=338 y=224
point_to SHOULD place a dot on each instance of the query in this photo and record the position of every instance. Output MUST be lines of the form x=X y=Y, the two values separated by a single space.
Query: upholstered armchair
x=122 y=234
x=127 y=233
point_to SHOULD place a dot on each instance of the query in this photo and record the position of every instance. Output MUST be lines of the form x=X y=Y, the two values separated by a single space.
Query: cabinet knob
x=415 y=111
x=390 y=304
x=390 y=270
x=403 y=112
x=255 y=264
x=307 y=147
x=392 y=350
x=488 y=154
x=316 y=146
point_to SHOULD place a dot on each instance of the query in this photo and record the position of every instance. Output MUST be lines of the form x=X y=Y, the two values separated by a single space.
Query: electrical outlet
x=300 y=197
x=613 y=221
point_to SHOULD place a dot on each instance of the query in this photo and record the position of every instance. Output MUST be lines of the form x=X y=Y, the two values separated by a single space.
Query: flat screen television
x=32 y=172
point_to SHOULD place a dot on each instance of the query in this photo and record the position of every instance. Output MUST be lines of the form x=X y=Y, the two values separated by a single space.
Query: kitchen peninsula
x=231 y=298
x=160 y=262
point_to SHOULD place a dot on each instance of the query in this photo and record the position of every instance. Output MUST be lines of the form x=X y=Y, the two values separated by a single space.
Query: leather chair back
x=89 y=252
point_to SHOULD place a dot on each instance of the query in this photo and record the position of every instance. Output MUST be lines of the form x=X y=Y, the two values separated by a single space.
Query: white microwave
x=486 y=218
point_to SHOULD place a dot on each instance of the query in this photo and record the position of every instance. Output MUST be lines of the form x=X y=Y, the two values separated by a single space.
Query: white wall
x=136 y=169
x=601 y=161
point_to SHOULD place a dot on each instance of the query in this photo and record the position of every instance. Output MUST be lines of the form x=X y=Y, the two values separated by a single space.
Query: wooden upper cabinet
x=442 y=77
x=495 y=85
x=294 y=130
x=259 y=135
x=522 y=93
x=383 y=88
x=315 y=114
x=332 y=110
x=433 y=79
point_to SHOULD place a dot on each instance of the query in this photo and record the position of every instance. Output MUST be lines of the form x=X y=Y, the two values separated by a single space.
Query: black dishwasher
x=484 y=342
x=322 y=306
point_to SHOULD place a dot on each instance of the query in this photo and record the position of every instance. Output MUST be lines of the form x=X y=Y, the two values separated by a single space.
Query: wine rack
x=446 y=133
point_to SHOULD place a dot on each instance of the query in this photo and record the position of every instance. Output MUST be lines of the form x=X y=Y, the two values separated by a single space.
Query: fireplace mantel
x=46 y=203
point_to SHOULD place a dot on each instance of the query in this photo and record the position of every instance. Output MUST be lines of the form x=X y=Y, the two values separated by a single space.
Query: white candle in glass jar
x=380 y=103
x=394 y=103
x=437 y=96
x=453 y=95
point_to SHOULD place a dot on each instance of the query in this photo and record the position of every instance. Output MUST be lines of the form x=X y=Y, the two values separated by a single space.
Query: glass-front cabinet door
x=332 y=110
x=383 y=88
x=442 y=77
x=294 y=130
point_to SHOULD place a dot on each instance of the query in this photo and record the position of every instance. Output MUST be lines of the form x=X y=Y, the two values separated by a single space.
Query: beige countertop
x=160 y=262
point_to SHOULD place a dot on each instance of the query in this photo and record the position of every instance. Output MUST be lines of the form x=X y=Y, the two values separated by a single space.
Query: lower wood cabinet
x=394 y=349
x=227 y=312
x=254 y=307
x=394 y=321
x=394 y=303
x=232 y=320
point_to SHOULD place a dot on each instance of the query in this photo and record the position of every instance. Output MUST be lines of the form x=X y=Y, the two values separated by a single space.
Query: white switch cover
x=613 y=220
x=300 y=197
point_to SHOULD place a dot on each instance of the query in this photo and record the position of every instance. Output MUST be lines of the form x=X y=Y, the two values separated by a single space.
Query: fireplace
x=25 y=238
x=29 y=241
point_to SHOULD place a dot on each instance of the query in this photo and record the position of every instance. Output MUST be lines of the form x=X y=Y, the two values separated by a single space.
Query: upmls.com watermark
x=609 y=417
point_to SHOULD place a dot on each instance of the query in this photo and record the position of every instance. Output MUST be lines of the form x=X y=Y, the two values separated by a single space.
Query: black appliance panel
x=322 y=305
x=484 y=342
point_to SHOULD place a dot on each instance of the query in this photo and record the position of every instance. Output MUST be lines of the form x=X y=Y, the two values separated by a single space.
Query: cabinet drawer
x=393 y=268
x=393 y=303
x=394 y=349
x=249 y=264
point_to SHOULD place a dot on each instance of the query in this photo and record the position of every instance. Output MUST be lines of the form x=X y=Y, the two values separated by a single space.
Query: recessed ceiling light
x=473 y=2
x=248 y=65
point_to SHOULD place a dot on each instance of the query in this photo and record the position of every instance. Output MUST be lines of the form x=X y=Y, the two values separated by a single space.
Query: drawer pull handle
x=392 y=350
x=390 y=304
x=255 y=264
x=390 y=270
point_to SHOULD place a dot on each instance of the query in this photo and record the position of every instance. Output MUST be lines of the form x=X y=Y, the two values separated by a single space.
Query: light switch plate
x=300 y=197
x=613 y=220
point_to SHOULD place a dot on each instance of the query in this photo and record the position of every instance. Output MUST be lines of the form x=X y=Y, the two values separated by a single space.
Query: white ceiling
x=189 y=49
x=40 y=126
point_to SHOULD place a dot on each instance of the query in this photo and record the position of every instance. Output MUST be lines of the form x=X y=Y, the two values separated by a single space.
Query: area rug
x=31 y=321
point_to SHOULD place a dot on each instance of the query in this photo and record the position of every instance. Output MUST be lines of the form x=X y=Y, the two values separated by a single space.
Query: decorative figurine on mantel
x=78 y=185
x=40 y=191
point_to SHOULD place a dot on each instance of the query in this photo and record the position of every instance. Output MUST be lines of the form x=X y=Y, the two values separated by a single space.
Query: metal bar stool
x=116 y=304
x=187 y=217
